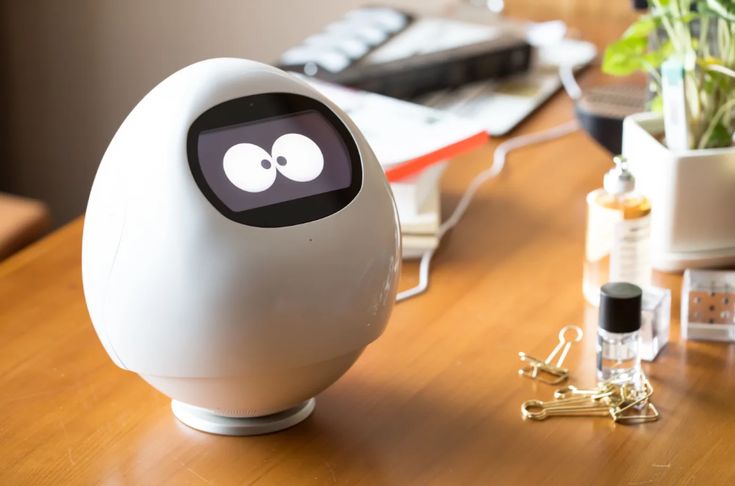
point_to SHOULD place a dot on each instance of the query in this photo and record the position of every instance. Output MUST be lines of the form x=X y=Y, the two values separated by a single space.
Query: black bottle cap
x=620 y=307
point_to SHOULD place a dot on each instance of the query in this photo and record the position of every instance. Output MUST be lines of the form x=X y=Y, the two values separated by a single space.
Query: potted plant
x=690 y=178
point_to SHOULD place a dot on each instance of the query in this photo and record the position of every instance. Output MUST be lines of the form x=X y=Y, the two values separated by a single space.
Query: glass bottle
x=618 y=234
x=618 y=334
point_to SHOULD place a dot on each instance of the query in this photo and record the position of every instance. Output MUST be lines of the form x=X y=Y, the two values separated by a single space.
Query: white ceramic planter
x=692 y=195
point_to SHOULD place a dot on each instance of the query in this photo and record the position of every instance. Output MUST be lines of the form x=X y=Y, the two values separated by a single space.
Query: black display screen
x=274 y=159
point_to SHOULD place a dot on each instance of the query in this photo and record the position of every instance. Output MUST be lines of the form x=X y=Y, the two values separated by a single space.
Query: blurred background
x=72 y=70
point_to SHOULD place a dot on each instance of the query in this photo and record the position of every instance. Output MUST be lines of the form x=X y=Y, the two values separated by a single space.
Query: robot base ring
x=207 y=421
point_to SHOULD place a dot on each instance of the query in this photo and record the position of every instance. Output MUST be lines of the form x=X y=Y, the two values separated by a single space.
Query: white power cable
x=499 y=156
x=566 y=74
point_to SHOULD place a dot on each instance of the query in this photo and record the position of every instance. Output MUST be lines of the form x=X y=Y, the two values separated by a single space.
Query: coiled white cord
x=566 y=74
x=499 y=157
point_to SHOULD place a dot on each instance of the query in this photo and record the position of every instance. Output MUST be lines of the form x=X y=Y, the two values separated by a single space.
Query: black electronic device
x=602 y=109
x=391 y=52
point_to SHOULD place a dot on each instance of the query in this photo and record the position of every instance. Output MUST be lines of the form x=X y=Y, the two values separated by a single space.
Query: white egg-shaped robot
x=241 y=245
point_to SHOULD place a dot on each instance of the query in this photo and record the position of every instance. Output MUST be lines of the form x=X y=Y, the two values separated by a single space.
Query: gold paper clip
x=635 y=406
x=649 y=414
x=537 y=369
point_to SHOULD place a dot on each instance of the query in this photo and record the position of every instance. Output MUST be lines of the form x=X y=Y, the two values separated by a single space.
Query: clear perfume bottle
x=618 y=335
x=618 y=234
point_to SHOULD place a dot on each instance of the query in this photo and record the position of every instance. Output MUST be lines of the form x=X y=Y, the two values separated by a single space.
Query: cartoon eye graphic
x=297 y=157
x=249 y=167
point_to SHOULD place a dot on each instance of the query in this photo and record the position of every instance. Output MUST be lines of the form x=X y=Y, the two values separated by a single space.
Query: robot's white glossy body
x=236 y=319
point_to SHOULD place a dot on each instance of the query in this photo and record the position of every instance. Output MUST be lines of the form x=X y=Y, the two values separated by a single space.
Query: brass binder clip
x=604 y=390
x=568 y=407
x=624 y=403
x=540 y=370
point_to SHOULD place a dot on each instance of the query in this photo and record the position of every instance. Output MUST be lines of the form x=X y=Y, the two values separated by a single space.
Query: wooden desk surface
x=435 y=400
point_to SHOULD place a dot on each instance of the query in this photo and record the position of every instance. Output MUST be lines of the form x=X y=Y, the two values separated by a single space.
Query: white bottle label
x=630 y=258
x=601 y=224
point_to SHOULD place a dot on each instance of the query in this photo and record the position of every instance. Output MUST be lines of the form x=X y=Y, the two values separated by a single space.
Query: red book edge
x=406 y=169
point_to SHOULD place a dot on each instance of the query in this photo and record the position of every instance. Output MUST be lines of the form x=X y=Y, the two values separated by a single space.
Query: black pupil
x=265 y=164
x=281 y=160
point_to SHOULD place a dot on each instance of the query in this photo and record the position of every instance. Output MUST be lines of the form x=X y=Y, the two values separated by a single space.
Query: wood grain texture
x=435 y=400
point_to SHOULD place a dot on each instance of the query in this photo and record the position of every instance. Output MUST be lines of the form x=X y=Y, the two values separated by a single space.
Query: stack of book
x=418 y=200
x=412 y=144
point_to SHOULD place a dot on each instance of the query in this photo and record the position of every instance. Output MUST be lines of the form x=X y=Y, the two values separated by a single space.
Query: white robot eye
x=249 y=167
x=297 y=157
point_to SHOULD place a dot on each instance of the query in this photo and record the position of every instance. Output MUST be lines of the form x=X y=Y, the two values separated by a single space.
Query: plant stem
x=667 y=25
x=721 y=69
x=704 y=35
x=713 y=123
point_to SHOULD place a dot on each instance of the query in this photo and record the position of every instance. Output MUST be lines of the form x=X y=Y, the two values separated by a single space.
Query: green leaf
x=713 y=80
x=655 y=58
x=641 y=28
x=656 y=104
x=624 y=56
x=720 y=137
